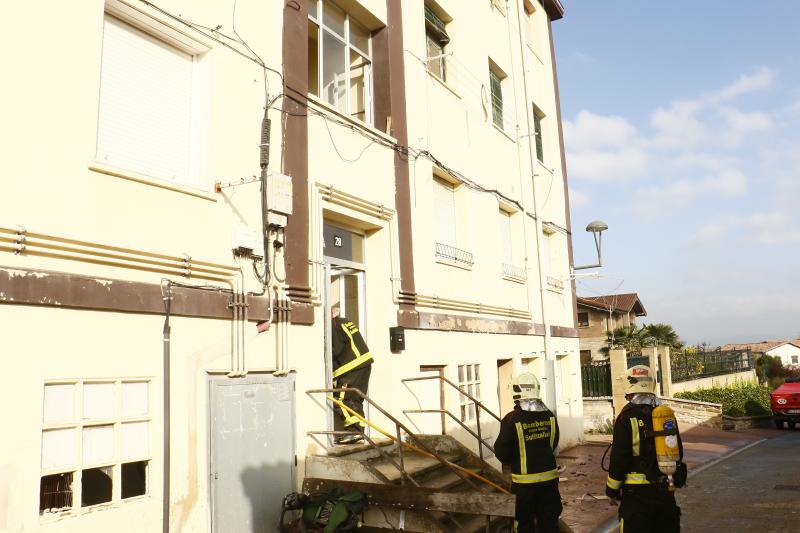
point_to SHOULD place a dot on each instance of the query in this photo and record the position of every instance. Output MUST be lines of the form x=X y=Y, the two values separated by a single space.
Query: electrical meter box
x=279 y=194
x=397 y=339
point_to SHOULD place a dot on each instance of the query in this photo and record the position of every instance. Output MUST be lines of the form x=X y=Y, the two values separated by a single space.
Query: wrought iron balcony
x=555 y=284
x=456 y=255
x=515 y=272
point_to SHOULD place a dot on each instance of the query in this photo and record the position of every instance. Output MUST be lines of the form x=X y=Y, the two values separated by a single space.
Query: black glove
x=680 y=476
x=613 y=494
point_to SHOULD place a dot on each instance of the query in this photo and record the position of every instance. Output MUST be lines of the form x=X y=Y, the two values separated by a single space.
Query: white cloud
x=764 y=228
x=607 y=165
x=681 y=192
x=591 y=130
x=762 y=79
x=578 y=198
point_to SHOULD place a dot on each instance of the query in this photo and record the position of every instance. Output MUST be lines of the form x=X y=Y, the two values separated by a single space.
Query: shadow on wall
x=264 y=496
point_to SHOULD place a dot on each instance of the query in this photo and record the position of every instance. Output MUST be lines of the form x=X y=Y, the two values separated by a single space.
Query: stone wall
x=696 y=413
x=737 y=423
x=598 y=413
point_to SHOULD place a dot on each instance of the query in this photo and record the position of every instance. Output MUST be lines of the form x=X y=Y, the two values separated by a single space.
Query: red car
x=785 y=402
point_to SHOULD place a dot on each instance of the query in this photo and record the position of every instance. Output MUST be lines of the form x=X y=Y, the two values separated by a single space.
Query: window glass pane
x=477 y=391
x=477 y=372
x=537 y=127
x=135 y=440
x=98 y=444
x=334 y=77
x=471 y=390
x=134 y=399
x=313 y=58
x=460 y=373
x=58 y=448
x=98 y=401
x=312 y=8
x=469 y=372
x=435 y=49
x=359 y=36
x=471 y=411
x=497 y=99
x=55 y=493
x=134 y=479
x=333 y=18
x=59 y=403
x=359 y=74
x=463 y=413
x=96 y=486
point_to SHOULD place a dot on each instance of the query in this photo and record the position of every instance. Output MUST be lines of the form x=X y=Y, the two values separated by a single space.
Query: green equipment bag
x=335 y=511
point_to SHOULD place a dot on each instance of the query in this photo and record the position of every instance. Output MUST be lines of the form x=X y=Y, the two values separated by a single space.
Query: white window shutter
x=445 y=213
x=505 y=238
x=145 y=117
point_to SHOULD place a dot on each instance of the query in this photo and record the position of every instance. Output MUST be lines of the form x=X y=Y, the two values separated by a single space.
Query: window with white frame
x=496 y=77
x=339 y=60
x=530 y=21
x=436 y=39
x=794 y=359
x=444 y=199
x=95 y=443
x=146 y=104
x=509 y=267
x=538 y=116
x=469 y=381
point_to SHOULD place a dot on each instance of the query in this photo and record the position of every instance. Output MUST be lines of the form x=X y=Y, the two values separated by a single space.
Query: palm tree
x=627 y=337
x=660 y=335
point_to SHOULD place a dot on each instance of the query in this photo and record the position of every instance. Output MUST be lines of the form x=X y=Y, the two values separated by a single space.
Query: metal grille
x=555 y=284
x=687 y=366
x=596 y=379
x=451 y=253
x=513 y=271
x=55 y=492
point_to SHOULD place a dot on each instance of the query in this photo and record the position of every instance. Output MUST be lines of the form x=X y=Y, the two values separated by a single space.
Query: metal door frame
x=334 y=264
x=213 y=377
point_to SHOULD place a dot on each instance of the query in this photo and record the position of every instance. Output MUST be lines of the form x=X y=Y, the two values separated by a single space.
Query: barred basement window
x=95 y=443
x=55 y=493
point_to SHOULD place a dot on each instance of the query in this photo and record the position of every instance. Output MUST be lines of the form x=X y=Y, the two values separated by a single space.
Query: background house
x=600 y=314
x=788 y=351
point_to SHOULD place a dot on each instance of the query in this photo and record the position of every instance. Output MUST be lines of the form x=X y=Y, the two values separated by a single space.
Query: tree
x=660 y=335
x=623 y=337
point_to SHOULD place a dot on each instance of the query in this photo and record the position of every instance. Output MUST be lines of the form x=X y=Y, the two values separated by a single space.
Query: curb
x=612 y=525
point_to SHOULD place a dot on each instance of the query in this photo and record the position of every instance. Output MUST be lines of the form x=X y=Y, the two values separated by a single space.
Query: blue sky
x=682 y=126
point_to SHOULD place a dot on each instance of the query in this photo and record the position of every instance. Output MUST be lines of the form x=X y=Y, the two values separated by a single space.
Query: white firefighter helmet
x=525 y=386
x=639 y=379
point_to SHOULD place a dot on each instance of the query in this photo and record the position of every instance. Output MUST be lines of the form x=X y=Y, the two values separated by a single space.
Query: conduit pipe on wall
x=537 y=219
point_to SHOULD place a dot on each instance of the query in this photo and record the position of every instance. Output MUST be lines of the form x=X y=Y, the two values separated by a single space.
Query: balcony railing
x=511 y=271
x=555 y=284
x=451 y=253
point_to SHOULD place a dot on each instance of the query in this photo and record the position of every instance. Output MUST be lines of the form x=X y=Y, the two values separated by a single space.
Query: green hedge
x=740 y=399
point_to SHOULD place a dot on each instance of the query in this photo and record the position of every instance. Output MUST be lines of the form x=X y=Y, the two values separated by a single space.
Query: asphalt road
x=755 y=490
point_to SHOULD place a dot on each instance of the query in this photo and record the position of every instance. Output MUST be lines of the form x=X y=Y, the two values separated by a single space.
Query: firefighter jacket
x=348 y=347
x=526 y=443
x=633 y=452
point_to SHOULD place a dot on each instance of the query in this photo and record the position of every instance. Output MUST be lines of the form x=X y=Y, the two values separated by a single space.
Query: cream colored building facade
x=428 y=192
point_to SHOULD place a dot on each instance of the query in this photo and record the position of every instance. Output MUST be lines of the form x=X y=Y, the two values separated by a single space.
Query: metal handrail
x=399 y=426
x=478 y=407
x=455 y=418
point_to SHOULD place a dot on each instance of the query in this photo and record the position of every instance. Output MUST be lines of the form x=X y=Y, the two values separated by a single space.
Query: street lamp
x=596 y=228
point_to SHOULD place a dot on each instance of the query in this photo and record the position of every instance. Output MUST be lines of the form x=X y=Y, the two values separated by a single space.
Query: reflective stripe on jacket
x=526 y=443
x=349 y=350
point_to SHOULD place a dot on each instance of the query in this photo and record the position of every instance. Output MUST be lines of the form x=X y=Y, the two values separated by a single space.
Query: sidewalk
x=583 y=482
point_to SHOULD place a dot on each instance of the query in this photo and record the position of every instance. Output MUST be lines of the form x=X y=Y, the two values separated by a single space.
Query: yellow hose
x=414 y=448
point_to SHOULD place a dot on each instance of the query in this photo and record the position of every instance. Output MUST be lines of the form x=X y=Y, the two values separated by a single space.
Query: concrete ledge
x=737 y=423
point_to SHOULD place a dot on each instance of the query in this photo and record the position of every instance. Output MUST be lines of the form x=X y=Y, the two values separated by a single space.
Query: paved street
x=756 y=490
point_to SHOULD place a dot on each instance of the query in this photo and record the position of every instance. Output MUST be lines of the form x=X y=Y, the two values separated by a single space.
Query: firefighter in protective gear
x=647 y=503
x=352 y=364
x=526 y=443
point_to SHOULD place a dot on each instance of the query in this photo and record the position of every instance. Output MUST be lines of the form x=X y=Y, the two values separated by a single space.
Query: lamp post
x=596 y=228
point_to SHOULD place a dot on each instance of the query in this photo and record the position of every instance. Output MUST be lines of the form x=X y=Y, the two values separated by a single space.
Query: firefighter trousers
x=357 y=378
x=538 y=507
x=649 y=509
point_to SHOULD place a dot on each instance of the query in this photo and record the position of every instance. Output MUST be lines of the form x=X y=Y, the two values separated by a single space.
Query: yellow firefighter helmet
x=639 y=379
x=525 y=386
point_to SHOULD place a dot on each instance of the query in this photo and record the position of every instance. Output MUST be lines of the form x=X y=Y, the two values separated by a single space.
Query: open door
x=505 y=373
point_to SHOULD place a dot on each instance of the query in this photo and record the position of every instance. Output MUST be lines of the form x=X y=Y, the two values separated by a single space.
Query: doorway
x=252 y=451
x=345 y=290
x=505 y=373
